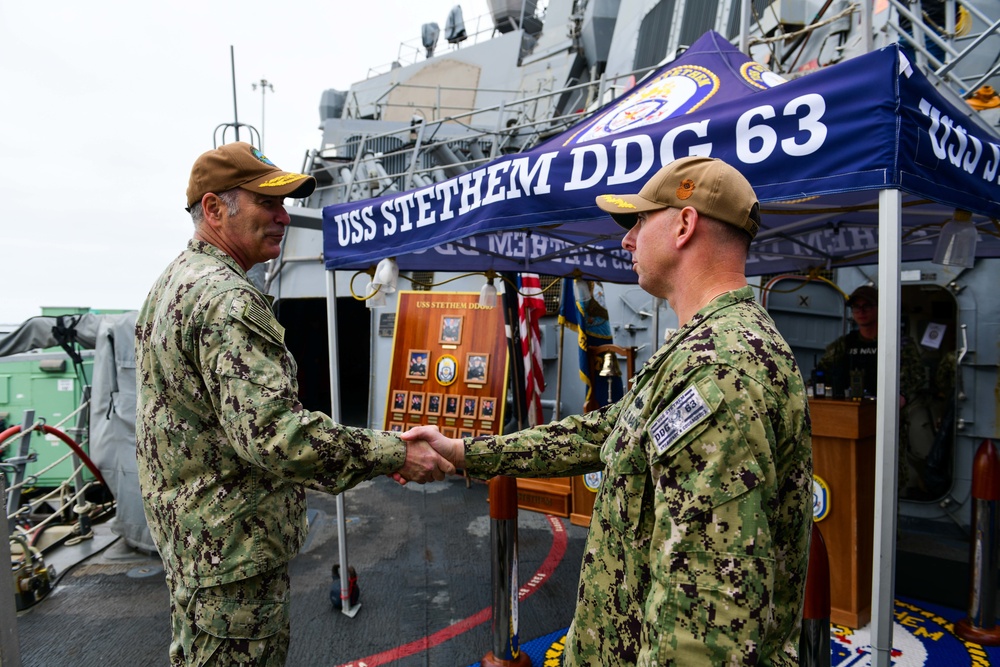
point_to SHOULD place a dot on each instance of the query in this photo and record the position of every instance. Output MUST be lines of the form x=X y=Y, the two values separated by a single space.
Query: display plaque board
x=449 y=364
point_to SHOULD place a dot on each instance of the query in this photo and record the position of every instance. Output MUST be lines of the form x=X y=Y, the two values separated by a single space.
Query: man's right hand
x=452 y=449
x=423 y=464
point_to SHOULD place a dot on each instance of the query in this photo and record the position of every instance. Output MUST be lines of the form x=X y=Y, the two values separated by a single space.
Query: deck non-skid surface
x=423 y=558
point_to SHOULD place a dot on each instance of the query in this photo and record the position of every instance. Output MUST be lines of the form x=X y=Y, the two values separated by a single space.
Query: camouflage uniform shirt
x=224 y=447
x=854 y=352
x=699 y=538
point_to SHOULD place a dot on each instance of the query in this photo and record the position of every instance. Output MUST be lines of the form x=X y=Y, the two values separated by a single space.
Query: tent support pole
x=331 y=333
x=866 y=24
x=890 y=217
x=745 y=27
x=556 y=412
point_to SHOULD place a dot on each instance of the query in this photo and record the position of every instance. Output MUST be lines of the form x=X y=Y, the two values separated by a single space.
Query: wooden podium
x=583 y=501
x=843 y=440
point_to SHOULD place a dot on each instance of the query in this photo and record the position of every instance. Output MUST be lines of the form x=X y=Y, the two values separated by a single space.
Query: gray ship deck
x=422 y=554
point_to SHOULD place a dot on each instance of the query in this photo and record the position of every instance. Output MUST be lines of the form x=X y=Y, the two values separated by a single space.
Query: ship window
x=698 y=18
x=654 y=32
x=757 y=8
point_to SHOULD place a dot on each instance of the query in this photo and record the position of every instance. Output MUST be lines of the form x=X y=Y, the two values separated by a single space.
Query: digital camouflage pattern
x=224 y=447
x=836 y=360
x=242 y=623
x=699 y=539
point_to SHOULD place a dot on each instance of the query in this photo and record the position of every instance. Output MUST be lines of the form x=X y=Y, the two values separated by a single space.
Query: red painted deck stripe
x=552 y=560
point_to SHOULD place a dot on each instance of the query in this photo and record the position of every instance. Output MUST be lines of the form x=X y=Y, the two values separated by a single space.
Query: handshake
x=429 y=456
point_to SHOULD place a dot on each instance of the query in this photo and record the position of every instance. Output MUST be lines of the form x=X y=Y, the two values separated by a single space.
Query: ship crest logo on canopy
x=675 y=92
x=759 y=76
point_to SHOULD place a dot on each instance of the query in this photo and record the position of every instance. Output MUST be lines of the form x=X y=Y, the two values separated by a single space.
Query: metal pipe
x=745 y=26
x=21 y=465
x=814 y=642
x=10 y=651
x=980 y=626
x=82 y=507
x=503 y=540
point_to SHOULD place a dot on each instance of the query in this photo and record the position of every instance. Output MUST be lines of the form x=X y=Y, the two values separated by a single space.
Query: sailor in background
x=850 y=365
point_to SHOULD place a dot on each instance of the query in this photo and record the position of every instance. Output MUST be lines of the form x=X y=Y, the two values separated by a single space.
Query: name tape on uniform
x=678 y=418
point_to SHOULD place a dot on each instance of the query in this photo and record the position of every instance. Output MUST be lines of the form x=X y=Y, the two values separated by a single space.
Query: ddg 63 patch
x=686 y=411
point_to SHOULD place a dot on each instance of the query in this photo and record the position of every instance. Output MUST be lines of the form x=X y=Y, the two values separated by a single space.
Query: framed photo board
x=448 y=354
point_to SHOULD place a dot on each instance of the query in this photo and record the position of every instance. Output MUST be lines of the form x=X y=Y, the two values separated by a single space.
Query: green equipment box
x=47 y=383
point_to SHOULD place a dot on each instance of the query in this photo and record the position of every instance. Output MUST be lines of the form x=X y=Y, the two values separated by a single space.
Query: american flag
x=530 y=309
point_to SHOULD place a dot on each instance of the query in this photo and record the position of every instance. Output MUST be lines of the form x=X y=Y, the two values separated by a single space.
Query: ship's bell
x=610 y=367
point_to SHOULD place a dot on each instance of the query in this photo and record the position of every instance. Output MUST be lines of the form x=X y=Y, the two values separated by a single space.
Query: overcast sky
x=106 y=104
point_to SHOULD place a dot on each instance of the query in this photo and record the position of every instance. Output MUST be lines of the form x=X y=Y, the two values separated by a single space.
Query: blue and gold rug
x=923 y=635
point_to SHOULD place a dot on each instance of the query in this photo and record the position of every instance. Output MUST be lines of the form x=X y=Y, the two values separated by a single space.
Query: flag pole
x=556 y=416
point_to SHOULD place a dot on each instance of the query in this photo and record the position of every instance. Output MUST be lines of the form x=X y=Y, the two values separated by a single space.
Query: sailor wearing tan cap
x=699 y=537
x=225 y=448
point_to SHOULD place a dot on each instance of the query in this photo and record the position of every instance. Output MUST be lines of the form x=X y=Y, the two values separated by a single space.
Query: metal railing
x=946 y=38
x=455 y=140
x=428 y=151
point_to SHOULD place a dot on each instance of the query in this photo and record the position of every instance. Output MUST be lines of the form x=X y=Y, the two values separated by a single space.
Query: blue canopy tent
x=835 y=157
x=817 y=150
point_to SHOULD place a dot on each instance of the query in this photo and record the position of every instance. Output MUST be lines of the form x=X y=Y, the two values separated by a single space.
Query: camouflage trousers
x=242 y=623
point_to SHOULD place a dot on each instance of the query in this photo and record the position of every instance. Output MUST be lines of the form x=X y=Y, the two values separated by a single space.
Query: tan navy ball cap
x=709 y=185
x=240 y=165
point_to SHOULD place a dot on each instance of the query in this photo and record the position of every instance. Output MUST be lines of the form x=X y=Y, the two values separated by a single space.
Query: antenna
x=236 y=124
x=264 y=85
x=232 y=66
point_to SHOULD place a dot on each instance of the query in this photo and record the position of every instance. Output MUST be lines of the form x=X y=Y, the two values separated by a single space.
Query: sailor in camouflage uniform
x=857 y=352
x=225 y=449
x=699 y=538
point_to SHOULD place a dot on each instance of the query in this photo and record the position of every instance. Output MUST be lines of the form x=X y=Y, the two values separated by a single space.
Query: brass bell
x=610 y=367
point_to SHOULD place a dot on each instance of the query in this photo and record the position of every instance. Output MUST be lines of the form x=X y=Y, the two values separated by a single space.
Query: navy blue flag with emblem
x=582 y=308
